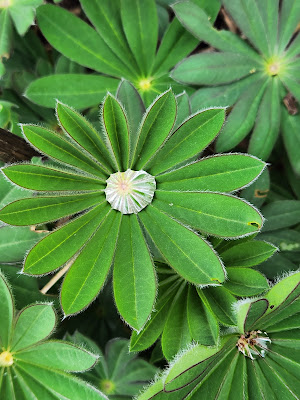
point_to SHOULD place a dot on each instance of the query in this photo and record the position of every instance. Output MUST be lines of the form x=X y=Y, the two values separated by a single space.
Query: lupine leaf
x=154 y=129
x=245 y=282
x=213 y=68
x=199 y=129
x=6 y=34
x=221 y=303
x=89 y=271
x=267 y=124
x=140 y=24
x=248 y=254
x=58 y=355
x=176 y=334
x=36 y=177
x=185 y=251
x=134 y=277
x=34 y=324
x=288 y=21
x=6 y=312
x=281 y=214
x=183 y=109
x=81 y=42
x=213 y=213
x=244 y=110
x=117 y=130
x=60 y=245
x=291 y=138
x=176 y=44
x=223 y=173
x=77 y=90
x=257 y=193
x=79 y=129
x=58 y=148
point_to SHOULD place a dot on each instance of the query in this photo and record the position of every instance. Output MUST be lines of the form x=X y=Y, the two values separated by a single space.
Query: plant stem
x=56 y=277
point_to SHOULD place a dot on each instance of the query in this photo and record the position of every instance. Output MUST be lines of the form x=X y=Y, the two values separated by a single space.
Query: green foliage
x=30 y=366
x=119 y=374
x=250 y=76
x=122 y=45
x=86 y=159
x=259 y=359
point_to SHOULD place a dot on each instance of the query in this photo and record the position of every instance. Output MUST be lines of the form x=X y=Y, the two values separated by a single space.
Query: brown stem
x=14 y=148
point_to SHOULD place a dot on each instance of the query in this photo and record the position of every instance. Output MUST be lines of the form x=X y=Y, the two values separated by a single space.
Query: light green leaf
x=34 y=323
x=117 y=132
x=222 y=173
x=76 y=90
x=185 y=251
x=266 y=129
x=212 y=213
x=248 y=254
x=140 y=24
x=36 y=177
x=288 y=21
x=188 y=140
x=6 y=312
x=213 y=68
x=249 y=313
x=81 y=43
x=89 y=271
x=183 y=109
x=6 y=34
x=134 y=277
x=155 y=128
x=55 y=146
x=58 y=355
x=60 y=245
x=244 y=110
x=245 y=282
x=80 y=130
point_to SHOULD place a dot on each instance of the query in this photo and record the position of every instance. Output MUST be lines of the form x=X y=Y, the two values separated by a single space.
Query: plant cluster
x=126 y=226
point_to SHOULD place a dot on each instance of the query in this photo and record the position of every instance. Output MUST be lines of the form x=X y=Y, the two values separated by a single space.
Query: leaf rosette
x=258 y=361
x=190 y=197
x=32 y=367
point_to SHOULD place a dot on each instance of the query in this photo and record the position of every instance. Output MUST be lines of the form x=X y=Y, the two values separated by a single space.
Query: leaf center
x=253 y=344
x=6 y=359
x=130 y=191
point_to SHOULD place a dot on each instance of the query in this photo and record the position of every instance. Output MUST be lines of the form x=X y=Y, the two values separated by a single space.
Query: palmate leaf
x=79 y=186
x=221 y=371
x=31 y=367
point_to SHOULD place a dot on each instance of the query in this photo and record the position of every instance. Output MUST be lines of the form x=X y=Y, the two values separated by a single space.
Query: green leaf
x=188 y=140
x=183 y=109
x=266 y=129
x=291 y=138
x=176 y=44
x=134 y=277
x=34 y=323
x=248 y=254
x=221 y=302
x=245 y=282
x=288 y=21
x=117 y=132
x=248 y=16
x=140 y=24
x=80 y=130
x=15 y=242
x=106 y=18
x=6 y=34
x=154 y=326
x=6 y=312
x=203 y=325
x=257 y=193
x=76 y=90
x=23 y=13
x=184 y=251
x=134 y=106
x=212 y=213
x=60 y=245
x=81 y=43
x=249 y=313
x=222 y=173
x=90 y=269
x=176 y=334
x=244 y=110
x=268 y=10
x=55 y=146
x=281 y=214
x=36 y=177
x=155 y=128
x=58 y=355
x=213 y=68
